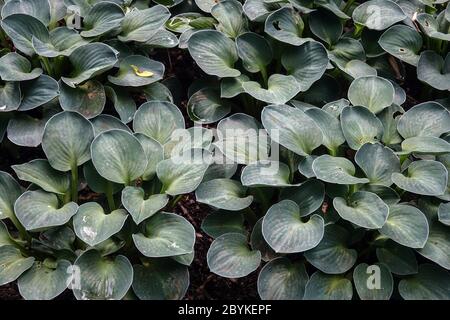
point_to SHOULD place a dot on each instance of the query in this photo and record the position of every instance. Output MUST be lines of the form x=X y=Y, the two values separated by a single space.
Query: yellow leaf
x=142 y=73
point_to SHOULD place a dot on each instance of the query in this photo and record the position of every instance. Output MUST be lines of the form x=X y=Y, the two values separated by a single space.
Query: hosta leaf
x=292 y=128
x=263 y=173
x=39 y=9
x=333 y=6
x=89 y=61
x=346 y=50
x=437 y=246
x=151 y=116
x=14 y=67
x=9 y=192
x=434 y=70
x=362 y=208
x=431 y=27
x=10 y=96
x=285 y=232
x=141 y=207
x=103 y=278
x=305 y=166
x=123 y=103
x=88 y=99
x=425 y=145
x=280 y=89
x=22 y=28
x=258 y=242
x=66 y=141
x=27 y=131
x=6 y=239
x=231 y=87
x=40 y=209
x=105 y=122
x=431 y=283
x=183 y=174
x=93 y=226
x=425 y=177
x=378 y=14
x=254 y=51
x=307 y=63
x=374 y=93
x=359 y=126
x=165 y=235
x=231 y=18
x=154 y=153
x=358 y=69
x=224 y=194
x=281 y=279
x=42 y=174
x=38 y=92
x=221 y=222
x=206 y=106
x=370 y=289
x=62 y=41
x=336 y=170
x=230 y=257
x=141 y=25
x=102 y=17
x=328 y=287
x=332 y=255
x=309 y=196
x=13 y=264
x=183 y=140
x=286 y=25
x=389 y=120
x=214 y=53
x=402 y=42
x=326 y=26
x=399 y=259
x=406 y=225
x=158 y=91
x=258 y=10
x=118 y=156
x=160 y=280
x=378 y=163
x=330 y=127
x=58 y=238
x=444 y=213
x=137 y=71
x=44 y=283
x=425 y=119
x=162 y=39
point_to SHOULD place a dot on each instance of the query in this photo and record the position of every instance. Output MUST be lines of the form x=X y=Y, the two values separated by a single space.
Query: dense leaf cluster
x=321 y=146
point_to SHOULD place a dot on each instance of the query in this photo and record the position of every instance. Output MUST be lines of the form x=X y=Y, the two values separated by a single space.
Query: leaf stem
x=20 y=228
x=110 y=197
x=348 y=6
x=175 y=200
x=46 y=65
x=263 y=71
x=74 y=183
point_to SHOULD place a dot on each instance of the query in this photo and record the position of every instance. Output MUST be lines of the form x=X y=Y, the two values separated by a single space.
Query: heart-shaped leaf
x=292 y=128
x=434 y=70
x=326 y=26
x=309 y=196
x=406 y=225
x=10 y=96
x=14 y=67
x=224 y=194
x=221 y=222
x=96 y=182
x=336 y=170
x=399 y=259
x=263 y=173
x=431 y=283
x=10 y=190
x=285 y=232
x=366 y=286
x=161 y=279
x=214 y=53
x=102 y=278
x=13 y=264
x=165 y=235
x=346 y=50
x=93 y=226
x=39 y=209
x=118 y=156
x=123 y=103
x=231 y=18
x=39 y=9
x=106 y=122
x=432 y=27
x=437 y=246
x=152 y=114
x=402 y=42
x=378 y=163
x=281 y=279
x=307 y=63
x=88 y=99
x=206 y=106
x=332 y=255
x=38 y=92
x=425 y=177
x=42 y=174
x=43 y=282
x=328 y=287
x=66 y=140
x=378 y=14
x=254 y=50
x=374 y=93
x=89 y=61
x=62 y=41
x=359 y=126
x=102 y=18
x=425 y=145
x=137 y=71
x=141 y=207
x=230 y=257
x=362 y=208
